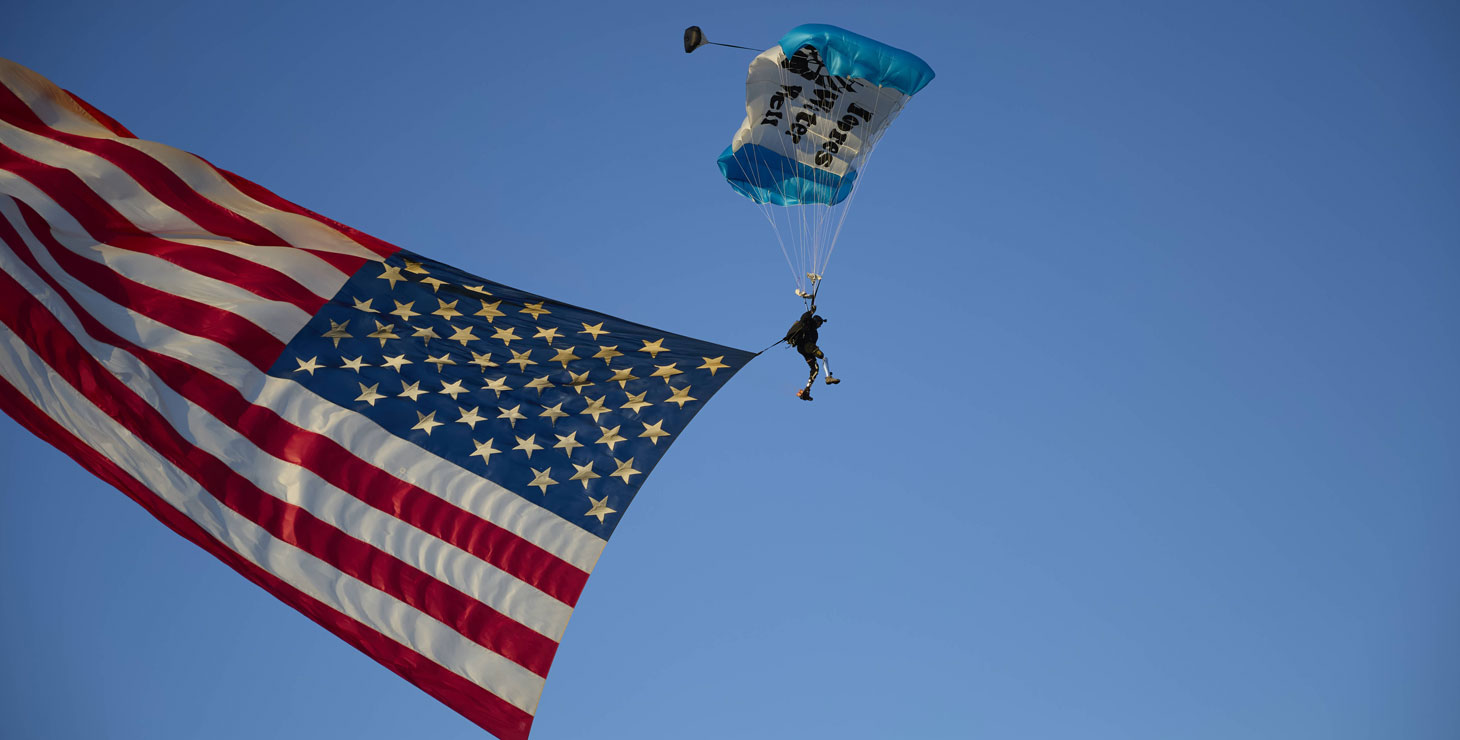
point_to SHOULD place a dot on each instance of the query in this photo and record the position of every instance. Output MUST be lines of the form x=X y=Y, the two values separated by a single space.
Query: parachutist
x=803 y=335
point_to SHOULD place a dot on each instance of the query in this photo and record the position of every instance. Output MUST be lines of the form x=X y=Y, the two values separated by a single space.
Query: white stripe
x=358 y=434
x=282 y=320
x=57 y=110
x=378 y=611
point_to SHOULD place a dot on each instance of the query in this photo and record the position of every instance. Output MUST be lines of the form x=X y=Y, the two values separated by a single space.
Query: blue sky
x=1147 y=314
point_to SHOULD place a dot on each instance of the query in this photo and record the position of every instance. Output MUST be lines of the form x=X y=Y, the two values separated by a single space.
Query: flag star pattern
x=424 y=462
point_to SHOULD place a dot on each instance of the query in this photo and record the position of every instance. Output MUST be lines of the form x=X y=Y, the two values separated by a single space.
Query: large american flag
x=424 y=462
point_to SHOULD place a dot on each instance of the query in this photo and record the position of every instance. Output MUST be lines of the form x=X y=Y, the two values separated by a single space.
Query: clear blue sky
x=1149 y=315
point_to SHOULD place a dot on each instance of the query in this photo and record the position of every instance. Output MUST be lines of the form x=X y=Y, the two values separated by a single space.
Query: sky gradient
x=1148 y=314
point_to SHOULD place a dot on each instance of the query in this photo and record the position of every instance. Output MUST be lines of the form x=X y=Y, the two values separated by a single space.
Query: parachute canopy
x=815 y=106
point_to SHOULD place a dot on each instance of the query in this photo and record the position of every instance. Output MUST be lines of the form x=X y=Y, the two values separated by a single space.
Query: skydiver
x=803 y=335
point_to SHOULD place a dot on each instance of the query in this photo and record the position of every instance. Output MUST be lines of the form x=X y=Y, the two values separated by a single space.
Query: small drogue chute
x=815 y=106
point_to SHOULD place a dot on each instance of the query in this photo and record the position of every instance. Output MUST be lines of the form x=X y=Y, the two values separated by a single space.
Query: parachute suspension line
x=862 y=161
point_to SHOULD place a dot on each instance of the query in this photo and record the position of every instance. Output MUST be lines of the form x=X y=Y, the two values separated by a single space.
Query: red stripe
x=478 y=705
x=102 y=118
x=186 y=315
x=108 y=226
x=268 y=198
x=50 y=340
x=161 y=182
x=331 y=461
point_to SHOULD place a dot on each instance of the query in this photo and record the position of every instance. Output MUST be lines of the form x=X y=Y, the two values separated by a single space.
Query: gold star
x=506 y=335
x=594 y=330
x=681 y=396
x=498 y=384
x=712 y=364
x=482 y=361
x=608 y=353
x=391 y=275
x=426 y=422
x=567 y=444
x=463 y=334
x=579 y=381
x=585 y=473
x=535 y=309
x=411 y=390
x=403 y=310
x=625 y=469
x=453 y=389
x=654 y=431
x=440 y=362
x=413 y=266
x=541 y=479
x=528 y=445
x=434 y=283
x=308 y=366
x=368 y=395
x=595 y=408
x=636 y=402
x=666 y=372
x=565 y=356
x=520 y=359
x=623 y=376
x=554 y=412
x=356 y=364
x=600 y=507
x=489 y=311
x=383 y=332
x=470 y=418
x=396 y=363
x=447 y=310
x=337 y=332
x=477 y=289
x=540 y=384
x=512 y=415
x=610 y=437
x=653 y=348
x=485 y=450
x=426 y=334
x=549 y=333
x=364 y=305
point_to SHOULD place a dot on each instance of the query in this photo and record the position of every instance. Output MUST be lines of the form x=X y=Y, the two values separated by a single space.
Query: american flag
x=425 y=462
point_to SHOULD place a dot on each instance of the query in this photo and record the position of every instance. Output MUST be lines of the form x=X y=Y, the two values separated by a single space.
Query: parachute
x=815 y=106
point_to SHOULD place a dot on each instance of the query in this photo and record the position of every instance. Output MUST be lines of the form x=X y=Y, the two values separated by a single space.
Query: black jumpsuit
x=803 y=335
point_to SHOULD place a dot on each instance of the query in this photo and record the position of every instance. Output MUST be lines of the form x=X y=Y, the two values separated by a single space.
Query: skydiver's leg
x=829 y=379
x=810 y=354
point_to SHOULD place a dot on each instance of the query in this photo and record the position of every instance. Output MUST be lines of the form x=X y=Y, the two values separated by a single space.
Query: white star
x=453 y=389
x=654 y=431
x=594 y=330
x=426 y=422
x=625 y=469
x=440 y=362
x=364 y=305
x=600 y=507
x=463 y=334
x=653 y=348
x=539 y=384
x=356 y=364
x=403 y=310
x=411 y=390
x=595 y=408
x=489 y=311
x=396 y=363
x=337 y=332
x=391 y=275
x=623 y=376
x=636 y=401
x=368 y=395
x=610 y=437
x=535 y=309
x=512 y=415
x=308 y=365
x=568 y=443
x=434 y=283
x=470 y=418
x=680 y=396
x=608 y=353
x=548 y=333
x=528 y=445
x=554 y=413
x=482 y=361
x=712 y=364
x=499 y=385
x=578 y=381
x=565 y=356
x=521 y=359
x=383 y=332
x=484 y=450
x=541 y=479
x=585 y=473
x=447 y=310
x=414 y=266
x=506 y=334
x=426 y=334
x=666 y=372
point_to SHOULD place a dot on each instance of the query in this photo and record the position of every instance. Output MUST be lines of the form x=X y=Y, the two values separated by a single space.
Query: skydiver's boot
x=804 y=394
x=832 y=381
